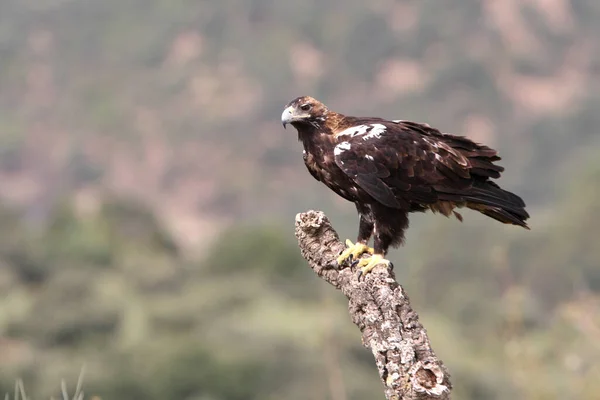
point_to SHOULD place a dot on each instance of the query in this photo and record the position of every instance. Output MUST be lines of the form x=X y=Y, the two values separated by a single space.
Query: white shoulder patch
x=368 y=157
x=340 y=148
x=354 y=130
x=375 y=132
x=397 y=121
x=372 y=131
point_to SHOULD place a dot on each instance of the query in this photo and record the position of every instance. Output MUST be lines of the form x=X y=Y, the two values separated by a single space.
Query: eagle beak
x=287 y=116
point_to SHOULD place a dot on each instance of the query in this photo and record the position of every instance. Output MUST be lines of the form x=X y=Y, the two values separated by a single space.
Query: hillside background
x=148 y=193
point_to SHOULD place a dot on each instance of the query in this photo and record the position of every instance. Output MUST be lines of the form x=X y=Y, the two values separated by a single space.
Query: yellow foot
x=367 y=264
x=353 y=251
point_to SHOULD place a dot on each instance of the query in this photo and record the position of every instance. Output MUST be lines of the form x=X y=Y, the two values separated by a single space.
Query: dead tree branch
x=378 y=305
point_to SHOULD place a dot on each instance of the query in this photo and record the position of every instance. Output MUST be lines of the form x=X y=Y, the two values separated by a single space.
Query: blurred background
x=148 y=194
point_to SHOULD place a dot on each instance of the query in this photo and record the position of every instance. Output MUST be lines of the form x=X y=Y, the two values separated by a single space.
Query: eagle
x=390 y=168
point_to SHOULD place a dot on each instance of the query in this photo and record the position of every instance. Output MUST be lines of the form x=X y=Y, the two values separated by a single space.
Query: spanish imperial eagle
x=391 y=168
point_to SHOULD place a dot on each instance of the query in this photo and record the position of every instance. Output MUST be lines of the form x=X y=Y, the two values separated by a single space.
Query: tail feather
x=504 y=216
x=484 y=195
x=493 y=201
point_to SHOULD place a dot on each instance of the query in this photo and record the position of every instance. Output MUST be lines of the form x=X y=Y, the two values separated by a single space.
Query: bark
x=378 y=305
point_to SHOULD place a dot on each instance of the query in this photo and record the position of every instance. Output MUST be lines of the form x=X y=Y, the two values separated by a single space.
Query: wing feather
x=366 y=172
x=408 y=165
x=409 y=162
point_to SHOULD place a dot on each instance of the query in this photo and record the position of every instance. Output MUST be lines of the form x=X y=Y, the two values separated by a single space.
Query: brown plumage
x=391 y=168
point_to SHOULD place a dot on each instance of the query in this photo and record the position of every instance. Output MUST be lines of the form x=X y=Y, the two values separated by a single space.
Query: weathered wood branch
x=378 y=305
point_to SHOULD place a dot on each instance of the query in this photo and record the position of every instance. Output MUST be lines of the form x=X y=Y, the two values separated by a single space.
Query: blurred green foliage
x=148 y=195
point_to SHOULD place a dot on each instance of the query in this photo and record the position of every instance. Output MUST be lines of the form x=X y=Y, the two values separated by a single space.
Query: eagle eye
x=305 y=107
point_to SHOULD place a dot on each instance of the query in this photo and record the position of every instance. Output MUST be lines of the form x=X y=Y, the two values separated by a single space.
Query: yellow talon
x=355 y=250
x=367 y=264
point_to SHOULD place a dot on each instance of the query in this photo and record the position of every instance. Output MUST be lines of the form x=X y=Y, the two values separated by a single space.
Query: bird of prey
x=390 y=168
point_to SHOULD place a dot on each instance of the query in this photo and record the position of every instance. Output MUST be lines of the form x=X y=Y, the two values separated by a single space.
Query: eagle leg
x=365 y=230
x=353 y=251
x=368 y=263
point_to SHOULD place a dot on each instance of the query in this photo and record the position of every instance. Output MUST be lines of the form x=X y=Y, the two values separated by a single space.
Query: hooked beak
x=287 y=116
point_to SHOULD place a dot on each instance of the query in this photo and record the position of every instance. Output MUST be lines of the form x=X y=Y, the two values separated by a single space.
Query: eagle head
x=304 y=111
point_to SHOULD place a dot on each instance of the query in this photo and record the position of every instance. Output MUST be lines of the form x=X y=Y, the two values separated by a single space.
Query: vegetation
x=148 y=195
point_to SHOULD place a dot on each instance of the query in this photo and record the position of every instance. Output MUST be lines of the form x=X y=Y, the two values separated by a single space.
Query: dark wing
x=367 y=172
x=399 y=163
x=481 y=157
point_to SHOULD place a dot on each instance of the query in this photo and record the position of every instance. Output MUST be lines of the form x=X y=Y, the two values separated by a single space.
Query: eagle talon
x=353 y=252
x=367 y=264
x=359 y=274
